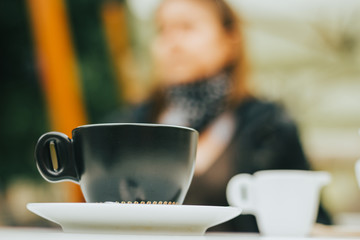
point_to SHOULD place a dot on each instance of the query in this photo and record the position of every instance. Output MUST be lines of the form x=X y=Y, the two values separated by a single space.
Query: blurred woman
x=202 y=72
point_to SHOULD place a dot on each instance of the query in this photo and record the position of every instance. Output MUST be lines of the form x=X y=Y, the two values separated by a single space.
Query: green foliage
x=23 y=116
x=22 y=109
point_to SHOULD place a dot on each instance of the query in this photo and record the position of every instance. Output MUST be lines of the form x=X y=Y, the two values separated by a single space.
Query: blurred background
x=66 y=63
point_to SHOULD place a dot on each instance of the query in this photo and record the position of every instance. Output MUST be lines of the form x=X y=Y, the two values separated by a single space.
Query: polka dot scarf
x=198 y=103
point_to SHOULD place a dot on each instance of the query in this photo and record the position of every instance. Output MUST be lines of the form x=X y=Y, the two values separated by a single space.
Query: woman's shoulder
x=257 y=111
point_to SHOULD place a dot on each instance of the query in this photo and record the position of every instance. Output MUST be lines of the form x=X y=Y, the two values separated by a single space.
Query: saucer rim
x=158 y=228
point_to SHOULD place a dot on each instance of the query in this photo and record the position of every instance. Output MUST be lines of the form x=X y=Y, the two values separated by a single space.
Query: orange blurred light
x=58 y=69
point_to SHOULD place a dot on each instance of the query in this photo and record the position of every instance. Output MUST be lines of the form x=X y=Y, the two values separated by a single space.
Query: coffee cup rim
x=135 y=124
x=287 y=172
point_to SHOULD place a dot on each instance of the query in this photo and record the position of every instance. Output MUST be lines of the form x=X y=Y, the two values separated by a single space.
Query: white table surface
x=15 y=233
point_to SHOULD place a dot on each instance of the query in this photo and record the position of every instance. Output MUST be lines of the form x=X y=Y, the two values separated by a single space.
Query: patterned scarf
x=198 y=103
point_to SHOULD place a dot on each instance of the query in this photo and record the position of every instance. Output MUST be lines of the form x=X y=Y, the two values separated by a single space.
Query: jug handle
x=240 y=193
x=324 y=178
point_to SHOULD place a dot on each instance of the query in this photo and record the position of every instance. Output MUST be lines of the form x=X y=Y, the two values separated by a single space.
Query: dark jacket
x=265 y=138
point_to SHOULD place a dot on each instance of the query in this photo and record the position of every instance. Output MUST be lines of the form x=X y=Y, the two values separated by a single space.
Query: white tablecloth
x=17 y=233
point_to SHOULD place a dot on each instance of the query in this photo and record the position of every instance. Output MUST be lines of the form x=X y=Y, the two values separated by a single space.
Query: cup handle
x=54 y=158
x=324 y=178
x=239 y=193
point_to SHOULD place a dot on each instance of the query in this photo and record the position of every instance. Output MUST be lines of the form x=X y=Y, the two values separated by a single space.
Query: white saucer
x=134 y=218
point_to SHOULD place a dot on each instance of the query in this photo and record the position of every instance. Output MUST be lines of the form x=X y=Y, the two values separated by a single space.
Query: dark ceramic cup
x=121 y=162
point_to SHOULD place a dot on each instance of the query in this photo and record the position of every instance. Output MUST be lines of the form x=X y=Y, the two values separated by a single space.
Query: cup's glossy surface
x=121 y=162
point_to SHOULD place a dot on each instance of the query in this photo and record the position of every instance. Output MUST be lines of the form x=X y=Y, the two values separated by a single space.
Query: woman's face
x=191 y=42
